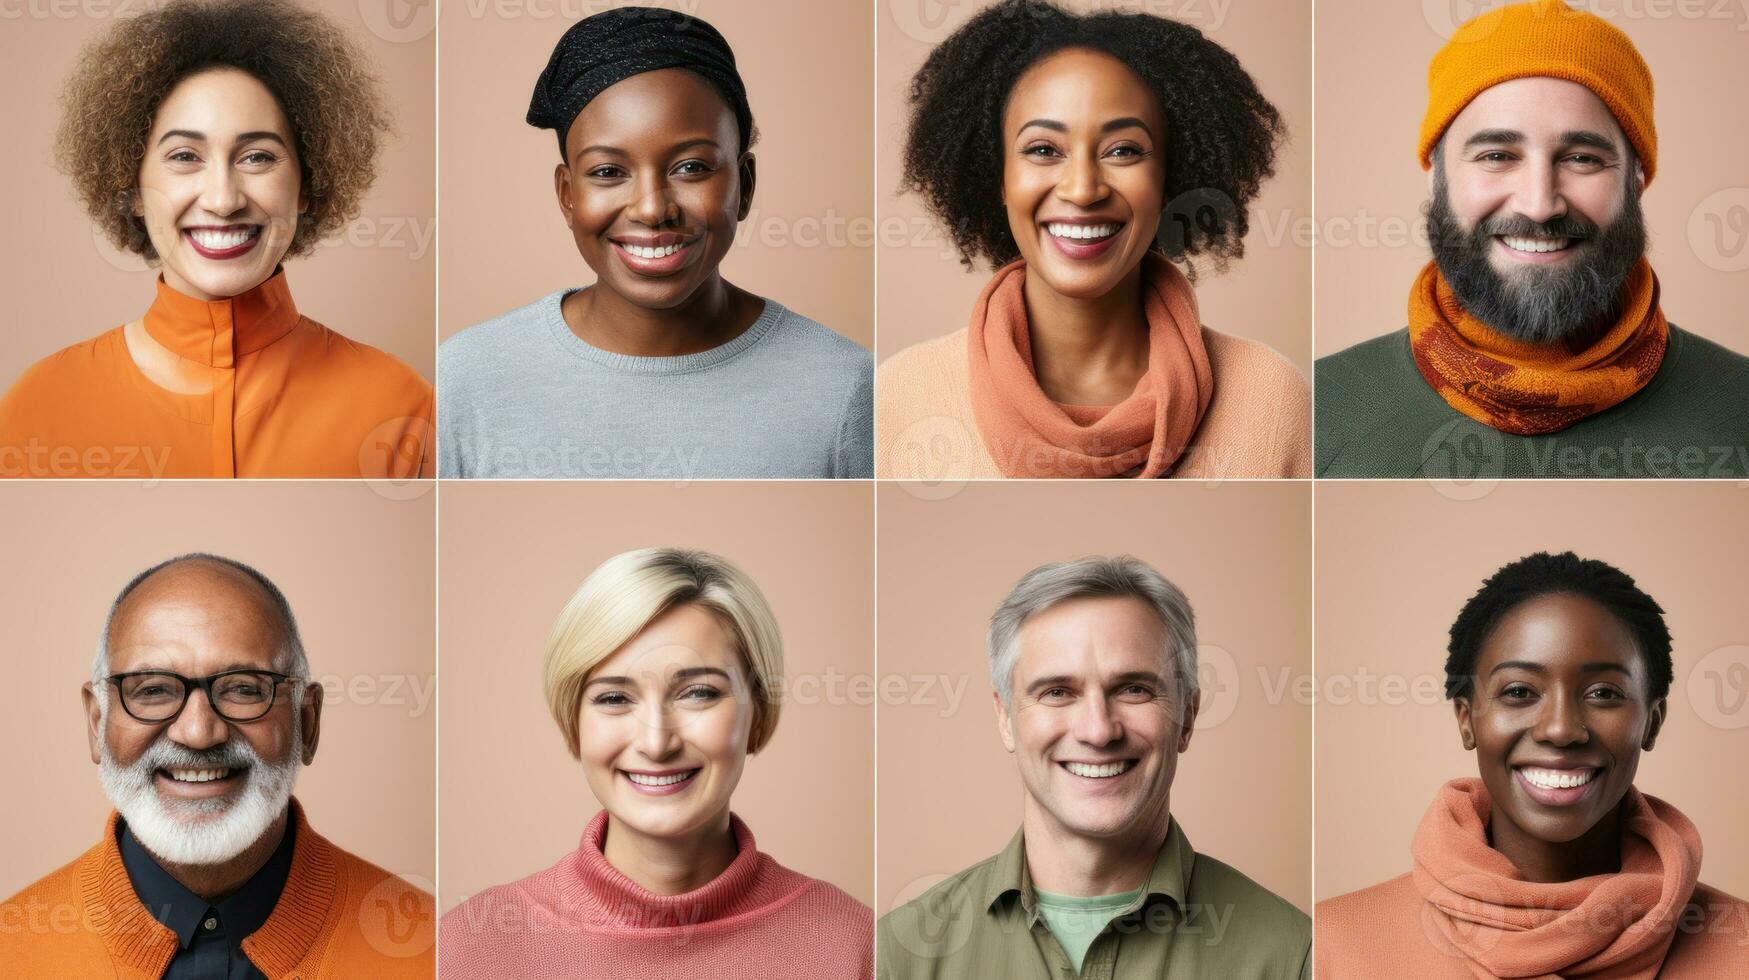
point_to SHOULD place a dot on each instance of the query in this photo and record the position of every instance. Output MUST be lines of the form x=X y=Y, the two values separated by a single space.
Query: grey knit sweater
x=523 y=396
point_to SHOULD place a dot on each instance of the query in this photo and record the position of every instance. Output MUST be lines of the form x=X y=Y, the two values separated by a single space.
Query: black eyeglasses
x=158 y=696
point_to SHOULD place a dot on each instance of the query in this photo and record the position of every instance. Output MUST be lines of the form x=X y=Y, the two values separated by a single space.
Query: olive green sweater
x=1376 y=416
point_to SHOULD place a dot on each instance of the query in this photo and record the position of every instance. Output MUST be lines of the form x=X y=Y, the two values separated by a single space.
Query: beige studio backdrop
x=1372 y=193
x=950 y=795
x=925 y=292
x=357 y=569
x=1397 y=561
x=808 y=242
x=375 y=283
x=514 y=801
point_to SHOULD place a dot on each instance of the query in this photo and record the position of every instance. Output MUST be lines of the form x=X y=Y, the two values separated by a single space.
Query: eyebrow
x=1122 y=122
x=1535 y=668
x=249 y=137
x=676 y=148
x=1572 y=137
x=233 y=665
x=684 y=674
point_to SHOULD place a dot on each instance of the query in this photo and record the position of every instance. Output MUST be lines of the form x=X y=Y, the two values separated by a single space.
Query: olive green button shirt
x=1195 y=917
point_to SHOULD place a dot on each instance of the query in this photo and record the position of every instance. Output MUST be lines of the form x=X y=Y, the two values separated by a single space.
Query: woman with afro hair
x=1083 y=158
x=216 y=138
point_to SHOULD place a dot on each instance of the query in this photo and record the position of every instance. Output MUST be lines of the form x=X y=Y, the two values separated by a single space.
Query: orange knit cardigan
x=339 y=917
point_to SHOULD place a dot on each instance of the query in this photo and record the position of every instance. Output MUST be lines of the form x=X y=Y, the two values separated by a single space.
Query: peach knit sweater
x=582 y=918
x=1257 y=425
x=1464 y=913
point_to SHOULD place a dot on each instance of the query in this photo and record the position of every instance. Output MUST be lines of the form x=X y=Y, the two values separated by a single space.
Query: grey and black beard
x=1539 y=304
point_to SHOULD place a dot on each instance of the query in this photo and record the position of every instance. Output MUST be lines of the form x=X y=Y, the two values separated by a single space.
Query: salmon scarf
x=1533 y=389
x=1617 y=926
x=1029 y=435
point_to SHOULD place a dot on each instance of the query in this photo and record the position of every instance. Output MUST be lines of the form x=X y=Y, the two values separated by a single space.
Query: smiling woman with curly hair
x=215 y=139
x=1082 y=157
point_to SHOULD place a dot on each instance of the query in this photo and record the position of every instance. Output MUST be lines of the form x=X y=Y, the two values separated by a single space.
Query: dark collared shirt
x=211 y=936
x=1195 y=917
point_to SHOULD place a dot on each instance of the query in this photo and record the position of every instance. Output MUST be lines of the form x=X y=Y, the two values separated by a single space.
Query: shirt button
x=211 y=924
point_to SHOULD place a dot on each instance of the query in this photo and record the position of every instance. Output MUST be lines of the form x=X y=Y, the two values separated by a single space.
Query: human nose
x=1537 y=193
x=1095 y=723
x=1082 y=183
x=198 y=726
x=221 y=192
x=659 y=736
x=1561 y=722
x=655 y=203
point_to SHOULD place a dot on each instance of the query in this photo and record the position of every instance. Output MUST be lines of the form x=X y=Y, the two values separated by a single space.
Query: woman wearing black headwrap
x=662 y=368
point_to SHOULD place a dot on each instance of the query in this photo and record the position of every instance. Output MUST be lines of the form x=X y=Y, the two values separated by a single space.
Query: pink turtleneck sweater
x=582 y=918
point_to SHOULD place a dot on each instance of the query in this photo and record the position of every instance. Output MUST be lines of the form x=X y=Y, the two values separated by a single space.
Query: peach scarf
x=1029 y=435
x=1617 y=926
x=1533 y=389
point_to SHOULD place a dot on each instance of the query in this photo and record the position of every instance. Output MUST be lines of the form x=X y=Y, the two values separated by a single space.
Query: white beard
x=201 y=832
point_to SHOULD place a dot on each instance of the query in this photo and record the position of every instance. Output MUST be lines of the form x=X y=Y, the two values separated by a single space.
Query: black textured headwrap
x=616 y=44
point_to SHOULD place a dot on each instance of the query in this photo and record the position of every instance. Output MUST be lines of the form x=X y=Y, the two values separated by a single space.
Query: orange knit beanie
x=1542 y=38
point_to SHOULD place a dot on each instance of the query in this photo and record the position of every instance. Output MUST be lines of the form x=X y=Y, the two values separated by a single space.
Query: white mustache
x=166 y=754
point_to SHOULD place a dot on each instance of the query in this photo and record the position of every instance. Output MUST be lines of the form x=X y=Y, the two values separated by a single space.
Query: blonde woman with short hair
x=663 y=673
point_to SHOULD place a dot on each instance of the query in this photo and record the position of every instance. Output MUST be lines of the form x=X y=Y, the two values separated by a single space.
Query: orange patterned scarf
x=1617 y=926
x=1029 y=435
x=1533 y=389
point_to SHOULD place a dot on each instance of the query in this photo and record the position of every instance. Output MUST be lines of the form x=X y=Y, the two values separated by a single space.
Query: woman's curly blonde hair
x=323 y=82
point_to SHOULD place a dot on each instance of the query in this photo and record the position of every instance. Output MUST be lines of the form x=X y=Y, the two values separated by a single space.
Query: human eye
x=1517 y=691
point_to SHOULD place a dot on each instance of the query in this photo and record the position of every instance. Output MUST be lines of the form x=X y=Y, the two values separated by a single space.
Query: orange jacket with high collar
x=339 y=916
x=269 y=393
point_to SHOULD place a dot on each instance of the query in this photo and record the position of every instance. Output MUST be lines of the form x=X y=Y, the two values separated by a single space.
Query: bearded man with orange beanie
x=1537 y=343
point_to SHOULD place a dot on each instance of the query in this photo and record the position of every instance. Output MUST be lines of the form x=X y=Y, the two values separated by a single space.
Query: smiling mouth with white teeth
x=1082 y=233
x=1557 y=778
x=660 y=251
x=225 y=242
x=1104 y=770
x=1536 y=245
x=668 y=780
x=198 y=775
